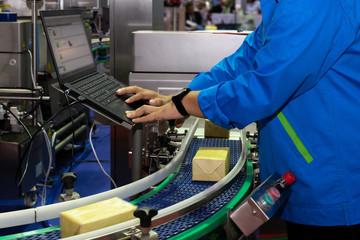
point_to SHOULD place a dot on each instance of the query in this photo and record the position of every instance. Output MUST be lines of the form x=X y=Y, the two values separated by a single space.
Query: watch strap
x=177 y=100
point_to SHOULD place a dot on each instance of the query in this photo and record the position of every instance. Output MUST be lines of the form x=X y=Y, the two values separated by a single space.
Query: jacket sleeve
x=226 y=69
x=297 y=50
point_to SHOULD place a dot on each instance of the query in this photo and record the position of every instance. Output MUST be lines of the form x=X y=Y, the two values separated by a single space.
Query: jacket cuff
x=210 y=109
x=198 y=83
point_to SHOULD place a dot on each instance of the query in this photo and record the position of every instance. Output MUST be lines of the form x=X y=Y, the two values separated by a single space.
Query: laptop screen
x=69 y=44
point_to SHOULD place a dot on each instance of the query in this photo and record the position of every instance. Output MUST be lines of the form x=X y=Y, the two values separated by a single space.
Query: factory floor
x=90 y=178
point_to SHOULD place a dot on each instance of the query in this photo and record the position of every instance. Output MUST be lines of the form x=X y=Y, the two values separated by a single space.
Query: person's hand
x=153 y=98
x=147 y=113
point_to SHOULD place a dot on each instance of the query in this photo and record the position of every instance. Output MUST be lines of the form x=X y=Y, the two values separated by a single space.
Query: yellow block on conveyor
x=211 y=163
x=95 y=216
x=212 y=130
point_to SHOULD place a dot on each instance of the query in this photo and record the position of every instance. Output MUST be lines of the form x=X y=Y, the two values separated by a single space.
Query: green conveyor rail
x=30 y=233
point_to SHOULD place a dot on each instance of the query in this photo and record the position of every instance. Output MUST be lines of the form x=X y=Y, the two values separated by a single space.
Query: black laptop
x=76 y=69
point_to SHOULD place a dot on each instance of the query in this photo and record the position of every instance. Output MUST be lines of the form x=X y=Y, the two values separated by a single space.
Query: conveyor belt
x=180 y=188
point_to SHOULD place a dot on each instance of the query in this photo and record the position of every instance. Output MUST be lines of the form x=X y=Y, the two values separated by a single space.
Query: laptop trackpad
x=122 y=106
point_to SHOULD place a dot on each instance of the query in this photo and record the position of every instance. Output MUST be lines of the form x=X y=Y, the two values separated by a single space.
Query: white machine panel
x=183 y=52
x=164 y=83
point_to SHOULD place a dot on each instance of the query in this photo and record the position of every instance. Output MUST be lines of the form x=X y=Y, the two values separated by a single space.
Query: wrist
x=168 y=98
x=177 y=100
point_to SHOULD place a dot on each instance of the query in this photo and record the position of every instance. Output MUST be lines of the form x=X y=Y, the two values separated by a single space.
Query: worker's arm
x=168 y=111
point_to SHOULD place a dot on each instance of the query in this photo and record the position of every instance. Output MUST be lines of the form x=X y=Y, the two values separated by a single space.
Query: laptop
x=76 y=69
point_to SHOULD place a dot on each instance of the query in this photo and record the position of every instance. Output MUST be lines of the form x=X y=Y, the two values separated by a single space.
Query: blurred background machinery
x=32 y=130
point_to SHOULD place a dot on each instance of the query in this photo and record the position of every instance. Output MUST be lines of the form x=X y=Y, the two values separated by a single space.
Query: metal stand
x=137 y=132
x=33 y=4
x=34 y=9
x=175 y=18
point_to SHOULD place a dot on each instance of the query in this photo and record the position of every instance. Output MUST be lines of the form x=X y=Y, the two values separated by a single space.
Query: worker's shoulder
x=351 y=8
x=325 y=8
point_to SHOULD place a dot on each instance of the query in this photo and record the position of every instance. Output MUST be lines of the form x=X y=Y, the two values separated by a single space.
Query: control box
x=263 y=203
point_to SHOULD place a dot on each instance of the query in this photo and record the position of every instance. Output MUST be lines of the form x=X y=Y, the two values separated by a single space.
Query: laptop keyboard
x=99 y=87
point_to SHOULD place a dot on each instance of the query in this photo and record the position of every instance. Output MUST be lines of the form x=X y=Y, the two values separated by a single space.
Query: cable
x=45 y=123
x=31 y=69
x=28 y=158
x=57 y=114
x=43 y=199
x=97 y=159
x=27 y=163
x=101 y=57
x=29 y=147
x=81 y=156
x=73 y=128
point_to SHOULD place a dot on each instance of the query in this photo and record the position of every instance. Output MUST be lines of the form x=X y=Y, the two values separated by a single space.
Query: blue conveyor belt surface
x=182 y=188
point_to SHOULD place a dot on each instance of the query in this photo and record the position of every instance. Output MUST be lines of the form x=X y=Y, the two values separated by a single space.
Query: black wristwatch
x=177 y=98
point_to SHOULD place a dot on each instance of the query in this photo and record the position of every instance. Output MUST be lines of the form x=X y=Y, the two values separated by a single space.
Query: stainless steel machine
x=24 y=155
x=15 y=55
x=23 y=93
x=167 y=61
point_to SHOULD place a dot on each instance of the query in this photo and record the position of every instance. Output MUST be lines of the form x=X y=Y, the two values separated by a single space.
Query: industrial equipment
x=167 y=61
x=15 y=55
x=23 y=163
x=262 y=203
x=25 y=155
x=23 y=96
x=186 y=209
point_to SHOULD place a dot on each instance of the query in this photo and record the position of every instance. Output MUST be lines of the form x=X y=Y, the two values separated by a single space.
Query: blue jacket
x=298 y=74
